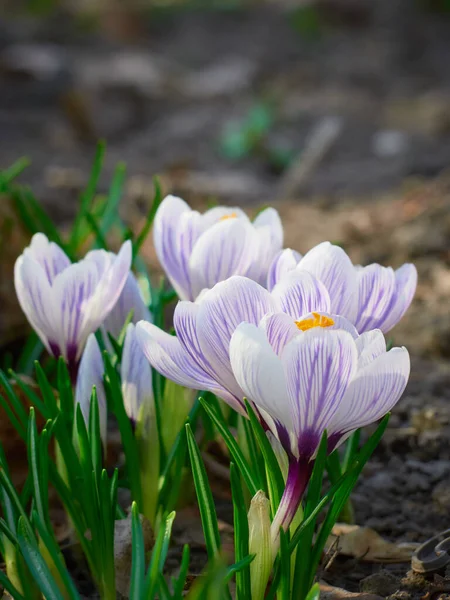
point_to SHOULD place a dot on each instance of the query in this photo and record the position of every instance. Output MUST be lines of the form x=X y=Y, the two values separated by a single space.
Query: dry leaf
x=329 y=592
x=366 y=544
x=123 y=550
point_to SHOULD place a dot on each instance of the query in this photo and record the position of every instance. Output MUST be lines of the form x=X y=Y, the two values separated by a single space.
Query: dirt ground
x=163 y=86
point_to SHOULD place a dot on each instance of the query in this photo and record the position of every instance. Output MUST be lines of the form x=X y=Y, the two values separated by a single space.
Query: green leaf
x=38 y=475
x=157 y=199
x=232 y=446
x=31 y=351
x=12 y=172
x=94 y=434
x=179 y=583
x=314 y=592
x=8 y=586
x=285 y=564
x=113 y=389
x=110 y=213
x=87 y=196
x=36 y=562
x=204 y=497
x=274 y=477
x=159 y=555
x=137 y=584
x=343 y=493
x=241 y=533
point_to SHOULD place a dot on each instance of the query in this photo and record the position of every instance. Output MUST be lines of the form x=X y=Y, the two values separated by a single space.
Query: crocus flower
x=312 y=375
x=372 y=297
x=129 y=300
x=90 y=374
x=136 y=375
x=198 y=357
x=66 y=302
x=197 y=251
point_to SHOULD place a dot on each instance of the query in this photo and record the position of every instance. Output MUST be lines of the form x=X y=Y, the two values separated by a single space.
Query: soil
x=162 y=86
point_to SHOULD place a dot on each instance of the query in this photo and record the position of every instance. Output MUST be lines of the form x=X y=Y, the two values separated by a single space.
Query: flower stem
x=297 y=479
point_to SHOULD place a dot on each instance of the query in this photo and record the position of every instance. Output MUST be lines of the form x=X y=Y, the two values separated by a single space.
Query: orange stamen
x=315 y=321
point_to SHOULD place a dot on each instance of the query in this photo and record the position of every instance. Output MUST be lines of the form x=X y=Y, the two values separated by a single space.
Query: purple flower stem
x=297 y=480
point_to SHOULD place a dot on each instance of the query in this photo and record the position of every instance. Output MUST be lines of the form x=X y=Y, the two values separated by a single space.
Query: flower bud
x=259 y=544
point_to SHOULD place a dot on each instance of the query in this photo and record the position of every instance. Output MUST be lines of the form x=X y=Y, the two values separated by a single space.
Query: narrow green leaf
x=110 y=213
x=158 y=558
x=285 y=566
x=314 y=592
x=138 y=555
x=274 y=476
x=94 y=434
x=241 y=533
x=36 y=562
x=180 y=582
x=204 y=497
x=31 y=351
x=65 y=390
x=157 y=199
x=232 y=446
x=8 y=586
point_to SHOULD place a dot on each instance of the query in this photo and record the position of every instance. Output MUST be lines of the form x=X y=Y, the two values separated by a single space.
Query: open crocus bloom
x=66 y=302
x=198 y=357
x=312 y=375
x=197 y=251
x=372 y=297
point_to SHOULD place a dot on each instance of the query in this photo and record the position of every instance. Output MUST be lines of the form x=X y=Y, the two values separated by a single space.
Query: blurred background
x=336 y=112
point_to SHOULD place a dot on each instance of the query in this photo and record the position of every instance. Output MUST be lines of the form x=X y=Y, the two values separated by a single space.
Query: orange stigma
x=315 y=321
x=232 y=215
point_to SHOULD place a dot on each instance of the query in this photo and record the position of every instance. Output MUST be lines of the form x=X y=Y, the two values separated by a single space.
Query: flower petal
x=299 y=292
x=405 y=288
x=319 y=365
x=259 y=373
x=166 y=354
x=35 y=298
x=285 y=261
x=223 y=308
x=136 y=375
x=186 y=327
x=370 y=345
x=376 y=286
x=49 y=255
x=91 y=373
x=218 y=213
x=375 y=389
x=129 y=299
x=333 y=267
x=279 y=329
x=172 y=253
x=269 y=234
x=225 y=249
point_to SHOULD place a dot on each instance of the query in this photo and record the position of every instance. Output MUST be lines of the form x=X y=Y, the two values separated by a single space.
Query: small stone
x=389 y=143
x=382 y=583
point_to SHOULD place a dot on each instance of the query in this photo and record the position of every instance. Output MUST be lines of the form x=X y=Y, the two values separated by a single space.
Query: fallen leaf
x=368 y=545
x=329 y=592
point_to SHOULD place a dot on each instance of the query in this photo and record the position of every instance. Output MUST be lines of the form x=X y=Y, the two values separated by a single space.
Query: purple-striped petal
x=319 y=365
x=129 y=300
x=269 y=234
x=284 y=262
x=225 y=249
x=48 y=254
x=376 y=286
x=175 y=220
x=259 y=373
x=370 y=345
x=405 y=288
x=375 y=389
x=186 y=327
x=166 y=354
x=35 y=297
x=90 y=374
x=279 y=329
x=333 y=267
x=223 y=308
x=136 y=375
x=299 y=292
x=218 y=213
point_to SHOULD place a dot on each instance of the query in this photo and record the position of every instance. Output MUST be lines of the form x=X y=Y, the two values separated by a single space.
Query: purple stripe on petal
x=405 y=288
x=136 y=375
x=375 y=389
x=376 y=286
x=222 y=309
x=318 y=365
x=299 y=292
x=279 y=328
x=225 y=249
x=284 y=262
x=333 y=267
x=166 y=237
x=49 y=255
